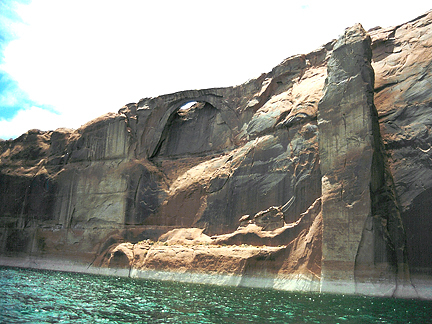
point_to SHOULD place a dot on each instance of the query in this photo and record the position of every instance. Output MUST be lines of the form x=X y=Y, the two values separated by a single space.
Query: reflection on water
x=30 y=296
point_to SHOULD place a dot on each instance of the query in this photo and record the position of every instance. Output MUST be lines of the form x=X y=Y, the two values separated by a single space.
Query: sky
x=65 y=62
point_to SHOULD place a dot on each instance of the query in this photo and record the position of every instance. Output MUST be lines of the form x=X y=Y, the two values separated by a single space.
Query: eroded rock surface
x=317 y=172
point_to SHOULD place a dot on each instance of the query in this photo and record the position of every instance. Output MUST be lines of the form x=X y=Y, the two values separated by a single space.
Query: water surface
x=34 y=296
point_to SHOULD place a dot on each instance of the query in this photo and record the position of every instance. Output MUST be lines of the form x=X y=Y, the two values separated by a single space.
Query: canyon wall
x=314 y=176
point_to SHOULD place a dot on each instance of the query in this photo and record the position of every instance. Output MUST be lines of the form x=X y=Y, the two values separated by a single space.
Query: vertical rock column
x=346 y=144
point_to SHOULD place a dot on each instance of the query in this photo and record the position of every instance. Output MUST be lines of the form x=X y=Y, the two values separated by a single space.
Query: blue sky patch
x=12 y=98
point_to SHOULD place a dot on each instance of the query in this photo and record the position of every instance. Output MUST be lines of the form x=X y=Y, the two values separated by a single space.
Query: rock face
x=346 y=146
x=314 y=176
x=357 y=189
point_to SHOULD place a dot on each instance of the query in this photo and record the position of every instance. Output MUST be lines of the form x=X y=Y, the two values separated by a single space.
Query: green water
x=30 y=296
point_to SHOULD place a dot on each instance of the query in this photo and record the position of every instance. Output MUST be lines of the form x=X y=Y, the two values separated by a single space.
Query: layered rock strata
x=314 y=176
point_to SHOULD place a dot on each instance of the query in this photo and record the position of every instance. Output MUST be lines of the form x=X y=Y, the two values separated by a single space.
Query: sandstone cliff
x=314 y=176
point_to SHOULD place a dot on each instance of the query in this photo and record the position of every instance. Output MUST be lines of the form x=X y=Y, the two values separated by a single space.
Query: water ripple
x=31 y=296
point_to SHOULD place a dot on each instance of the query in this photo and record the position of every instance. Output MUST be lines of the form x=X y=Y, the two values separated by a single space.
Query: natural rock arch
x=164 y=108
x=198 y=129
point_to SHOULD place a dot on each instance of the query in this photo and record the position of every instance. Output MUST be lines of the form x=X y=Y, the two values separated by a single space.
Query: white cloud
x=31 y=118
x=86 y=58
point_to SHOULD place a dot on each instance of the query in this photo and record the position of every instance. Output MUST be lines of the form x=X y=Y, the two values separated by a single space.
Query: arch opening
x=187 y=105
